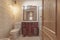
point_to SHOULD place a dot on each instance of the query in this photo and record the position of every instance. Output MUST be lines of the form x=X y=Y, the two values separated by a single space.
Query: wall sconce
x=14 y=1
x=14 y=7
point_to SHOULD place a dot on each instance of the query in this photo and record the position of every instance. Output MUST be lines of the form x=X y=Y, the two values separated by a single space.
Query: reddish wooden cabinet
x=30 y=29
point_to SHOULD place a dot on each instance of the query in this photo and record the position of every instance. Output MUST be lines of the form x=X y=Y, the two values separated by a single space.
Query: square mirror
x=30 y=13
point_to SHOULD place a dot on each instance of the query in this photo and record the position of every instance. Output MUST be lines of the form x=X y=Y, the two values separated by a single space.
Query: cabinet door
x=24 y=29
x=30 y=29
x=49 y=20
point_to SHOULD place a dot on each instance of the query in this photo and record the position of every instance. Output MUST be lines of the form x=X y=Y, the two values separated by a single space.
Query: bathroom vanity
x=30 y=29
x=30 y=21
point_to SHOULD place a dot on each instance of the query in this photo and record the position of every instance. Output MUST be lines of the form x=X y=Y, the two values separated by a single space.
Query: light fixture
x=31 y=18
x=14 y=7
x=14 y=1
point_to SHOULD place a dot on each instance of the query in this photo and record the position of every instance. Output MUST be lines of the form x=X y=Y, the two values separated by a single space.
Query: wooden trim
x=42 y=18
x=42 y=12
x=56 y=19
x=48 y=35
x=49 y=30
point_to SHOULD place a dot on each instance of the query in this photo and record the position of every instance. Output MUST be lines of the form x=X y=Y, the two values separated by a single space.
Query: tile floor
x=28 y=38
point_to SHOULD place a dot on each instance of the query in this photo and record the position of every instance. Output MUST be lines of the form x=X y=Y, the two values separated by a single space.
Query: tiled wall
x=5 y=18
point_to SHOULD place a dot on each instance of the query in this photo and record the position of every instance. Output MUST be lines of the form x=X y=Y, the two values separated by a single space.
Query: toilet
x=14 y=33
